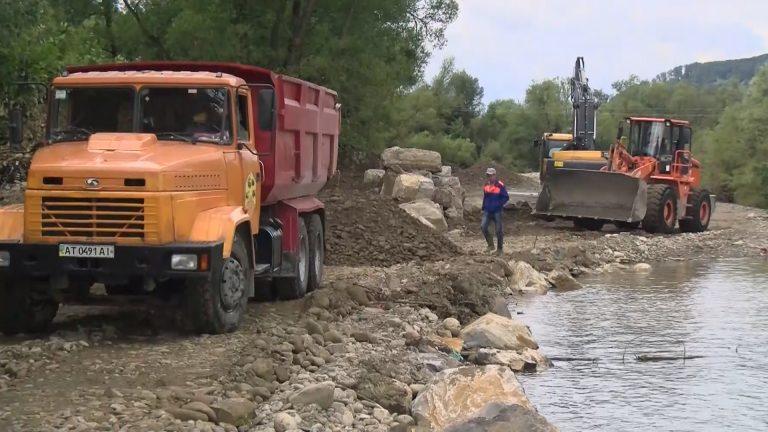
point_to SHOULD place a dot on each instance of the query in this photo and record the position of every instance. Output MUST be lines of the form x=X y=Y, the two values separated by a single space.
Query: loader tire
x=699 y=211
x=316 y=252
x=218 y=305
x=295 y=287
x=25 y=307
x=661 y=210
x=589 y=224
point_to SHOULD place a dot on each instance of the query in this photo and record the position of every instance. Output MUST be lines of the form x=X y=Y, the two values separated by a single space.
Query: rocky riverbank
x=411 y=329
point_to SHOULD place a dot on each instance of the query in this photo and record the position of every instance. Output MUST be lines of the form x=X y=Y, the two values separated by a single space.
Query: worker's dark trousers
x=496 y=219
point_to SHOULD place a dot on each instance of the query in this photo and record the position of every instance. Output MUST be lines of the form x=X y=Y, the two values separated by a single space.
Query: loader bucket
x=578 y=193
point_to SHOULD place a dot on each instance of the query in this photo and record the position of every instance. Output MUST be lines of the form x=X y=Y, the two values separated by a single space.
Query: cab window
x=243 y=130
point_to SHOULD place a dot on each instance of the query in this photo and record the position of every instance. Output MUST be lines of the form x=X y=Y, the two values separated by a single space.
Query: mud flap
x=577 y=193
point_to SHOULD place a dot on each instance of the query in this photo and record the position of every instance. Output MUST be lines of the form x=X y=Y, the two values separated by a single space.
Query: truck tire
x=26 y=307
x=316 y=252
x=589 y=224
x=661 y=210
x=295 y=287
x=699 y=211
x=218 y=305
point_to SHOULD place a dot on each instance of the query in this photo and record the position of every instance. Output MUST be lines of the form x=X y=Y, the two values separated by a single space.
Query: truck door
x=249 y=161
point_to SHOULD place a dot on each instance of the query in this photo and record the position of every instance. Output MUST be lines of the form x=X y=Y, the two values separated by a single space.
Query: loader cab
x=660 y=139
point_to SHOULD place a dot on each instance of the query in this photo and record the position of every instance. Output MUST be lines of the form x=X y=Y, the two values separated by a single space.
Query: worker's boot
x=500 y=250
x=490 y=247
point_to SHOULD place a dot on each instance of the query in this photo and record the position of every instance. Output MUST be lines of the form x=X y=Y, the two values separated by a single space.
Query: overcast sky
x=508 y=43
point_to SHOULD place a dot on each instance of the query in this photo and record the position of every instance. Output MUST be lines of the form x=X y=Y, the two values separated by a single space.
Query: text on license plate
x=86 y=251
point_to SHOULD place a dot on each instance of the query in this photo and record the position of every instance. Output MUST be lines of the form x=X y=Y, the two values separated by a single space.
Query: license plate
x=86 y=251
x=558 y=164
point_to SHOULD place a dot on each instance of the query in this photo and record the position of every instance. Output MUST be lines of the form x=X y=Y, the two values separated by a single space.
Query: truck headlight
x=184 y=262
x=5 y=259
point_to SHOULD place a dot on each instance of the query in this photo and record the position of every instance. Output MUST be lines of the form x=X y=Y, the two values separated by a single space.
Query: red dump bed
x=307 y=136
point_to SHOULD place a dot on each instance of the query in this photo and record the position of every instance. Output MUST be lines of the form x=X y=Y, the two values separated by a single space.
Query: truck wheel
x=699 y=211
x=218 y=305
x=589 y=224
x=25 y=307
x=316 y=252
x=661 y=210
x=292 y=288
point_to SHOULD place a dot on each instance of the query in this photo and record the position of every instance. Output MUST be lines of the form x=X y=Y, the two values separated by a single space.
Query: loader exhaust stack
x=608 y=196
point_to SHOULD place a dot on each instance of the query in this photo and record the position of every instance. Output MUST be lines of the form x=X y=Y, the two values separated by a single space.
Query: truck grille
x=107 y=218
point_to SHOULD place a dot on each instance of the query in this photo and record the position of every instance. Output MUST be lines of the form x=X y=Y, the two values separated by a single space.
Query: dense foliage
x=373 y=53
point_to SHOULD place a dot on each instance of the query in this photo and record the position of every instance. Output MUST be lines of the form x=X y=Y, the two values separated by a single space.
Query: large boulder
x=320 y=394
x=444 y=197
x=411 y=159
x=525 y=360
x=411 y=187
x=234 y=411
x=454 y=215
x=448 y=182
x=563 y=281
x=526 y=279
x=390 y=393
x=508 y=418
x=496 y=331
x=473 y=204
x=388 y=183
x=456 y=396
x=374 y=177
x=427 y=210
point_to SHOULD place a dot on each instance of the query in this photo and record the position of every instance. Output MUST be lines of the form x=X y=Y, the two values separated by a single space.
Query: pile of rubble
x=425 y=187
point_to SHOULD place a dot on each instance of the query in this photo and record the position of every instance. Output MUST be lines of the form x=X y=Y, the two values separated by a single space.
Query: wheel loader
x=651 y=180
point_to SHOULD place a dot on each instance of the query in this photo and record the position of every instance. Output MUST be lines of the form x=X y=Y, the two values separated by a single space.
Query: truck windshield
x=648 y=139
x=79 y=112
x=189 y=114
x=172 y=113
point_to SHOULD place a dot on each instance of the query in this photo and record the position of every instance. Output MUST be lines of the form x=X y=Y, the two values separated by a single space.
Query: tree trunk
x=299 y=26
x=108 y=10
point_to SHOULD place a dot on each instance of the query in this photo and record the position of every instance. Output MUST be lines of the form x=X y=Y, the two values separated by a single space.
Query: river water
x=716 y=309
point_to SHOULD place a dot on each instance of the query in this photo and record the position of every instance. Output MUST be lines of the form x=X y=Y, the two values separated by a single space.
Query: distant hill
x=715 y=72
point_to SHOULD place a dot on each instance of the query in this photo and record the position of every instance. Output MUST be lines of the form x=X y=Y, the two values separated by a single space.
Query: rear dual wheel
x=309 y=260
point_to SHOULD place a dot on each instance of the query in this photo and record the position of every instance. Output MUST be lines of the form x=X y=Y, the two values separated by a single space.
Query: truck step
x=261 y=269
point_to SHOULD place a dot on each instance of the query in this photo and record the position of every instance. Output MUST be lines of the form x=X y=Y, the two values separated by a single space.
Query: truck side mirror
x=266 y=101
x=16 y=129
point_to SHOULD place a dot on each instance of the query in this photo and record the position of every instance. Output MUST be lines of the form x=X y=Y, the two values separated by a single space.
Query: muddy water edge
x=618 y=346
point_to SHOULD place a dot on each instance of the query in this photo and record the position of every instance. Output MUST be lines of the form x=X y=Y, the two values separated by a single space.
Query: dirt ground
x=390 y=280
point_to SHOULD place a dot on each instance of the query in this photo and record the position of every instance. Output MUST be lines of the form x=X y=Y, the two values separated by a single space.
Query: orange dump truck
x=176 y=180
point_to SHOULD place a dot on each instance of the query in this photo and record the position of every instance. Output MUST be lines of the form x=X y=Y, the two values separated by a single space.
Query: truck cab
x=171 y=179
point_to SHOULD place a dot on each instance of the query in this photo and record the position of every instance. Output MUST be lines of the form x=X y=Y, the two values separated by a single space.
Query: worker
x=200 y=122
x=494 y=197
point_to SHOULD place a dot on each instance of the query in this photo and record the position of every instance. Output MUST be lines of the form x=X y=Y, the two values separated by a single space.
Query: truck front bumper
x=43 y=260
